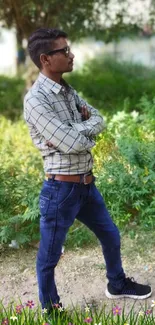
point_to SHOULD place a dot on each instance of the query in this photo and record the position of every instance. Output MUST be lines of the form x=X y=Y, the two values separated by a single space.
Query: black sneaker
x=131 y=289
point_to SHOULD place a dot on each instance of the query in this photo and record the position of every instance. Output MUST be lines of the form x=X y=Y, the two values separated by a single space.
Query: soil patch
x=80 y=275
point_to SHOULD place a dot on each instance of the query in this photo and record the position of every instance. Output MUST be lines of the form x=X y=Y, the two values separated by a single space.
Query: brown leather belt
x=84 y=178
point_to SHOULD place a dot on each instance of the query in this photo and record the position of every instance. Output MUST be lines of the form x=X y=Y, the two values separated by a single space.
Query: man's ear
x=44 y=59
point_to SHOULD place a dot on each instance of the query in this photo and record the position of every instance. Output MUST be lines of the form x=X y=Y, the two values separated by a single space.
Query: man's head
x=49 y=50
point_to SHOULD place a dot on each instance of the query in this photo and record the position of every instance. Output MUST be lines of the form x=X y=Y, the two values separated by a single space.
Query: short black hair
x=40 y=42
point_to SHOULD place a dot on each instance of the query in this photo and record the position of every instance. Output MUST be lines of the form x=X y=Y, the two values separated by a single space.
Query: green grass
x=22 y=314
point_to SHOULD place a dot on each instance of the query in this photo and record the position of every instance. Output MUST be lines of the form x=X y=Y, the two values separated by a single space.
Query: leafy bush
x=20 y=178
x=126 y=176
x=112 y=86
x=11 y=96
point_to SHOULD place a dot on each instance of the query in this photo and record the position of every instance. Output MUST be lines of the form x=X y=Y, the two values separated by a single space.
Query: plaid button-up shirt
x=52 y=112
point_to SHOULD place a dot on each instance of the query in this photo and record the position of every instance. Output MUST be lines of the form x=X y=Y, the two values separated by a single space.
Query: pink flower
x=88 y=320
x=148 y=311
x=116 y=310
x=5 y=321
x=19 y=309
x=56 y=306
x=30 y=304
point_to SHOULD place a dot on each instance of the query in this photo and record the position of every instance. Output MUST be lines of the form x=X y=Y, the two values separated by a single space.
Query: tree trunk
x=21 y=53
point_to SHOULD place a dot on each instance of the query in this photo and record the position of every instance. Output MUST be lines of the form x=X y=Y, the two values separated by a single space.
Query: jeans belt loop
x=84 y=179
x=81 y=179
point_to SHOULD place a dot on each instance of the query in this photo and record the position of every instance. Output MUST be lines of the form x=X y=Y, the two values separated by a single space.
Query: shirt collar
x=52 y=85
x=49 y=83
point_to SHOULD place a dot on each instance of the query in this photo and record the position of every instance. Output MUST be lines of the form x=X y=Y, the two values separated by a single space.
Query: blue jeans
x=60 y=204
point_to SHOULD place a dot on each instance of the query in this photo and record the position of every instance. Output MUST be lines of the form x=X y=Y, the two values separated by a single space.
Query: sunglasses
x=65 y=50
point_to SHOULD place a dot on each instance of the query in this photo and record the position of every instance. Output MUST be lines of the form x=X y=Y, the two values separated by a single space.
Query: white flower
x=87 y=309
x=44 y=311
x=141 y=313
x=153 y=303
x=134 y=114
x=13 y=318
x=98 y=324
x=61 y=309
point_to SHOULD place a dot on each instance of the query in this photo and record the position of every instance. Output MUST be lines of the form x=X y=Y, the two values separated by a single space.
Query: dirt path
x=80 y=274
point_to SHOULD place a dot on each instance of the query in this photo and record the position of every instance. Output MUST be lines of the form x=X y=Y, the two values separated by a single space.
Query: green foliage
x=111 y=86
x=126 y=176
x=78 y=18
x=20 y=178
x=11 y=93
x=80 y=236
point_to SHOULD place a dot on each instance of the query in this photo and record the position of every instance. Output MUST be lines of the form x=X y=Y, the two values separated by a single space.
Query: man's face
x=60 y=62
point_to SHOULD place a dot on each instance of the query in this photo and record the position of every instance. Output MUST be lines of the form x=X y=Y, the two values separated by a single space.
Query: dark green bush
x=112 y=86
x=11 y=97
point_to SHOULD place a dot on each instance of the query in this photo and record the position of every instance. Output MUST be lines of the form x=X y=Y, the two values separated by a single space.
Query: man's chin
x=68 y=69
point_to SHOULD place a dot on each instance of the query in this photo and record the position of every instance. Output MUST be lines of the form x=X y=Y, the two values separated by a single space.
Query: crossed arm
x=67 y=139
x=93 y=122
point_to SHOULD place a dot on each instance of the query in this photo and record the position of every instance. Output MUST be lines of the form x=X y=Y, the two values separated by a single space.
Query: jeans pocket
x=66 y=194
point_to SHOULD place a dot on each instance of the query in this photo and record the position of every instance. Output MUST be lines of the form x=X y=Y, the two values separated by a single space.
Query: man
x=63 y=126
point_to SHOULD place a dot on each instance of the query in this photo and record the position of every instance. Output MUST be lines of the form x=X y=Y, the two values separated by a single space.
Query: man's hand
x=49 y=144
x=85 y=114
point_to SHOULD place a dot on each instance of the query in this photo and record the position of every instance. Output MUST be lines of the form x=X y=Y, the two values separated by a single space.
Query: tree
x=101 y=18
x=74 y=16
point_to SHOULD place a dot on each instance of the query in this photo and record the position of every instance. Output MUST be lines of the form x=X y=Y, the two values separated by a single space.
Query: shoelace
x=130 y=280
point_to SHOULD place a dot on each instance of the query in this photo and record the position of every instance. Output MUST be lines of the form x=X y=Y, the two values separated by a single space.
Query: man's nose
x=71 y=55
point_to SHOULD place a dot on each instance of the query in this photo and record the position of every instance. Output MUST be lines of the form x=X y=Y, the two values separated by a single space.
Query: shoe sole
x=108 y=295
